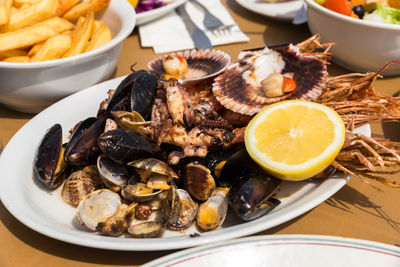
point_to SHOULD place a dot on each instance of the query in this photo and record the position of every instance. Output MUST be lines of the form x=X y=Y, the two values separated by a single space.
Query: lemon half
x=295 y=139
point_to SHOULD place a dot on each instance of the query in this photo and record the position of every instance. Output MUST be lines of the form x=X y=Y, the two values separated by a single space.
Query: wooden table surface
x=357 y=210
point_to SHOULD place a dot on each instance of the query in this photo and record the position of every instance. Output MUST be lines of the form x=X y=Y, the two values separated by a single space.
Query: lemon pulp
x=294 y=139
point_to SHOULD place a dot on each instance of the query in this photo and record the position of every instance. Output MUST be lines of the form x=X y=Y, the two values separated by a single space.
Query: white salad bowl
x=362 y=46
x=31 y=87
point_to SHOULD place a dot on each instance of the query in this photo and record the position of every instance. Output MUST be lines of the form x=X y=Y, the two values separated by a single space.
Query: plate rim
x=279 y=239
x=328 y=187
x=245 y=4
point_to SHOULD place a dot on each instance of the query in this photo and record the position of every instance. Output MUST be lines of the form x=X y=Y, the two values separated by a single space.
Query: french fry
x=14 y=9
x=12 y=53
x=55 y=47
x=34 y=49
x=66 y=5
x=17 y=59
x=81 y=35
x=83 y=8
x=35 y=13
x=5 y=11
x=20 y=3
x=33 y=34
x=100 y=37
x=25 y=6
x=97 y=23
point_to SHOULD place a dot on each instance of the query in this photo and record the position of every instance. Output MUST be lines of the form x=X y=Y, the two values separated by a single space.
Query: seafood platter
x=157 y=159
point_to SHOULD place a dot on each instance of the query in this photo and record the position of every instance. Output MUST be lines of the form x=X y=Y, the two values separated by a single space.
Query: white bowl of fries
x=50 y=49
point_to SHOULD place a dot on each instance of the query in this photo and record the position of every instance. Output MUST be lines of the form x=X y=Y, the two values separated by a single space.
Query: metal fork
x=210 y=21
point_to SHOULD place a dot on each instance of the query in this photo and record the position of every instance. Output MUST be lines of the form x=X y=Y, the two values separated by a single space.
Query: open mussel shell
x=135 y=93
x=250 y=197
x=202 y=65
x=113 y=175
x=232 y=170
x=126 y=145
x=83 y=148
x=49 y=166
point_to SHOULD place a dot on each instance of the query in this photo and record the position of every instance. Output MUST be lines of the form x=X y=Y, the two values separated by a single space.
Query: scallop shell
x=203 y=64
x=232 y=91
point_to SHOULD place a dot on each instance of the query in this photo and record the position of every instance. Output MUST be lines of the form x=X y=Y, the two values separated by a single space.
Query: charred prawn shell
x=49 y=167
x=135 y=93
x=82 y=148
x=250 y=198
x=125 y=145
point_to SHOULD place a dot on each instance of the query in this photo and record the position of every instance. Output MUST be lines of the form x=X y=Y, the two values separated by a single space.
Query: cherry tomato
x=357 y=2
x=340 y=6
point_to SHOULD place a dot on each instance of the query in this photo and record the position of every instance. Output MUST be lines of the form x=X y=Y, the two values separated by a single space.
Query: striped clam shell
x=203 y=64
x=232 y=91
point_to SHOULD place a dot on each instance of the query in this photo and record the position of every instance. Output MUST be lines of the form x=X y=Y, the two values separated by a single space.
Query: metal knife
x=199 y=38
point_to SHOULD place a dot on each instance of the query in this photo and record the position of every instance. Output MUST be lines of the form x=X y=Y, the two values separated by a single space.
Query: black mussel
x=83 y=148
x=250 y=197
x=143 y=94
x=217 y=157
x=120 y=99
x=125 y=145
x=198 y=181
x=135 y=93
x=239 y=165
x=49 y=166
x=79 y=129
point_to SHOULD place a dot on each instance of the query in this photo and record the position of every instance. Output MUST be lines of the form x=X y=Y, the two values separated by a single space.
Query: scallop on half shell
x=202 y=64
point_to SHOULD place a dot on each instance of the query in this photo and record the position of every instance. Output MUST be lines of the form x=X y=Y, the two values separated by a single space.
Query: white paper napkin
x=169 y=33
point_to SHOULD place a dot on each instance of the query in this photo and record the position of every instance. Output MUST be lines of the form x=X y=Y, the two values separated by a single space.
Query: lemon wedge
x=295 y=139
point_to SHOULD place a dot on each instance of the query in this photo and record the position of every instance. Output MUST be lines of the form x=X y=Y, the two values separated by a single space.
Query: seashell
x=239 y=87
x=77 y=186
x=180 y=209
x=96 y=207
x=198 y=181
x=49 y=166
x=212 y=213
x=148 y=228
x=139 y=192
x=133 y=121
x=113 y=175
x=119 y=222
x=202 y=64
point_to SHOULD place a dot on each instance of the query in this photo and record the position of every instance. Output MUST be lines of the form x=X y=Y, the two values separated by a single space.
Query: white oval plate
x=45 y=212
x=285 y=11
x=153 y=14
x=286 y=251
